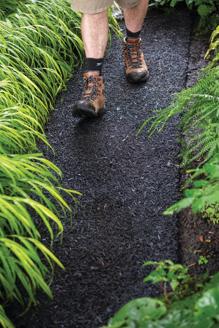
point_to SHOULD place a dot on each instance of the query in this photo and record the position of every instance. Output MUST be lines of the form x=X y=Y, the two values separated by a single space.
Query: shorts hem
x=89 y=12
x=99 y=10
x=130 y=6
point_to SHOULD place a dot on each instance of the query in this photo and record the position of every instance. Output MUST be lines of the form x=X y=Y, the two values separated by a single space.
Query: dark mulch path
x=127 y=182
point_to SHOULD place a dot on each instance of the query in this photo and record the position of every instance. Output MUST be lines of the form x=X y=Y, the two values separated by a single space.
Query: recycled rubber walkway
x=126 y=183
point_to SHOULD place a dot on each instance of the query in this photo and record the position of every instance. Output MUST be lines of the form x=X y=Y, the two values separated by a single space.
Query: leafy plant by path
x=40 y=45
x=199 y=310
x=207 y=10
x=7 y=7
x=5 y=322
x=203 y=192
x=213 y=51
x=170 y=275
x=199 y=107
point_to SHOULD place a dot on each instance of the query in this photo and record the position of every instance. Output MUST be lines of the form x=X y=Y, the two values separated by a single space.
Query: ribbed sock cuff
x=132 y=35
x=93 y=64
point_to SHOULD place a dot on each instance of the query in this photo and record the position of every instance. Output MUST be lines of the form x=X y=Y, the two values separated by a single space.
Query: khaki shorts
x=96 y=6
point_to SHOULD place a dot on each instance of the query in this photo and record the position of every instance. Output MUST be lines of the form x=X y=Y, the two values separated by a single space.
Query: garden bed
x=199 y=238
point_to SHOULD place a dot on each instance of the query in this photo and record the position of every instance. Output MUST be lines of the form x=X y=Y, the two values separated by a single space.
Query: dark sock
x=93 y=64
x=132 y=35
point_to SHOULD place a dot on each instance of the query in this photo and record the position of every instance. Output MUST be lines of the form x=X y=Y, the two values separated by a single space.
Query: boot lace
x=91 y=88
x=133 y=52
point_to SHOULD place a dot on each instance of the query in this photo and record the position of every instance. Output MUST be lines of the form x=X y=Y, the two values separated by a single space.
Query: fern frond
x=199 y=110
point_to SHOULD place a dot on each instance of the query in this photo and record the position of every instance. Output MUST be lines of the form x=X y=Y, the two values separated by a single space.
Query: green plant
x=213 y=51
x=198 y=108
x=4 y=321
x=206 y=9
x=211 y=213
x=169 y=274
x=36 y=58
x=202 y=260
x=199 y=310
x=8 y=6
x=138 y=313
x=201 y=193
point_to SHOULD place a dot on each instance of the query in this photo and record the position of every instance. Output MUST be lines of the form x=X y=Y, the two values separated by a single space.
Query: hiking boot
x=135 y=67
x=93 y=99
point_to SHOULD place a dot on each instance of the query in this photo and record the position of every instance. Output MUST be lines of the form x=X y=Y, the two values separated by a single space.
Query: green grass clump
x=7 y=7
x=40 y=47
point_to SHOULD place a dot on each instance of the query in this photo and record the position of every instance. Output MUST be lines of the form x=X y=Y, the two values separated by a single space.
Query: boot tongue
x=133 y=40
x=91 y=73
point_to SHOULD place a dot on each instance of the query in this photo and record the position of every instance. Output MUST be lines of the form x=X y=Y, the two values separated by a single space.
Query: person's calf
x=134 y=16
x=94 y=30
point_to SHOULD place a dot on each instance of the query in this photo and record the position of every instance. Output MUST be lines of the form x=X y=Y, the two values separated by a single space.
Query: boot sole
x=84 y=112
x=136 y=80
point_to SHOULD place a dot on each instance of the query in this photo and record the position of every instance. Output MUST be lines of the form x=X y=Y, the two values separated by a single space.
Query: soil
x=126 y=181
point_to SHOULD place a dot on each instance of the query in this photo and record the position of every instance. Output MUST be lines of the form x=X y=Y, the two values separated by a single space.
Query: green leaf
x=140 y=310
x=205 y=10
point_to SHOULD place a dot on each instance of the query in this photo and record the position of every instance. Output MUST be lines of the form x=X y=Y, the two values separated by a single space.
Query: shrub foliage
x=207 y=10
x=40 y=45
x=199 y=110
x=199 y=310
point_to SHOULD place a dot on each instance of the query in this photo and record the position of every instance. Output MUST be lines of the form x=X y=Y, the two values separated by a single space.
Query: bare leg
x=95 y=34
x=134 y=17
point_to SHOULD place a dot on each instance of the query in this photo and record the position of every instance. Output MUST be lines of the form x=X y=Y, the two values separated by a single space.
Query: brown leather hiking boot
x=136 y=69
x=93 y=99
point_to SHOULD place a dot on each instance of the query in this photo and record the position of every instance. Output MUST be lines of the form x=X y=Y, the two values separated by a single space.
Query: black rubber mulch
x=127 y=182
